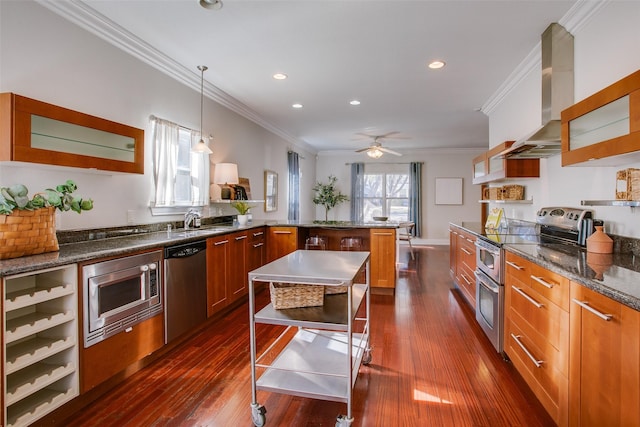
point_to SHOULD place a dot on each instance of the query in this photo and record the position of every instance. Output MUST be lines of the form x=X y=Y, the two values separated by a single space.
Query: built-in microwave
x=119 y=293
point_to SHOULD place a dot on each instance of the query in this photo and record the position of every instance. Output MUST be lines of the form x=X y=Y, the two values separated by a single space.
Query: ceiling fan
x=376 y=150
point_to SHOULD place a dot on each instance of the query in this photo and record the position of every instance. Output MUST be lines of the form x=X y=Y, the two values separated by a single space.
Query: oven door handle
x=489 y=284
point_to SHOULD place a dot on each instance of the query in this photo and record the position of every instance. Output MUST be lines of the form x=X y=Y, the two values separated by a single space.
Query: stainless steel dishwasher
x=185 y=288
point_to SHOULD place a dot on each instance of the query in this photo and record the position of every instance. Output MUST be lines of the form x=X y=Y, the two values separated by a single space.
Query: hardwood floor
x=431 y=366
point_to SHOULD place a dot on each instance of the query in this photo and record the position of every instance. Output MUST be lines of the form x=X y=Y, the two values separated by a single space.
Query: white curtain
x=199 y=174
x=165 y=160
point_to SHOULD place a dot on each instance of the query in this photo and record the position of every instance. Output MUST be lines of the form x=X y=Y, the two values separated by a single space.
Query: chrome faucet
x=192 y=219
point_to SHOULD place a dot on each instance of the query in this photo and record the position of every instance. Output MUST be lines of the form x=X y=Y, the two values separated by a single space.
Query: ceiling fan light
x=374 y=153
x=211 y=4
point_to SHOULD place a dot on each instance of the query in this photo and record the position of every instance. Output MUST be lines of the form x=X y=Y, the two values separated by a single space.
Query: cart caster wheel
x=258 y=415
x=343 y=421
x=366 y=358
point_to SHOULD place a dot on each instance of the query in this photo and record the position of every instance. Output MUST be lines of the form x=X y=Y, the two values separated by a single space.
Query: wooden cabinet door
x=604 y=376
x=383 y=258
x=218 y=264
x=237 y=279
x=257 y=250
x=281 y=241
x=453 y=248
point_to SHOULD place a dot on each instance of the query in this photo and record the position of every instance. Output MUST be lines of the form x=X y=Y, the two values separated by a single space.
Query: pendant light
x=201 y=147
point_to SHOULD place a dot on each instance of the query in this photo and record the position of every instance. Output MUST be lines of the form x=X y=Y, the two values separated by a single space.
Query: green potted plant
x=27 y=224
x=328 y=195
x=243 y=208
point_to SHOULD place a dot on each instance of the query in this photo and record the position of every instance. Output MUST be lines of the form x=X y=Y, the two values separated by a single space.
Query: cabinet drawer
x=541 y=320
x=546 y=382
x=550 y=285
x=547 y=283
x=518 y=267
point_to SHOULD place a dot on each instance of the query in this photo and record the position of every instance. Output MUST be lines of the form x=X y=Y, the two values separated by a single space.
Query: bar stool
x=316 y=243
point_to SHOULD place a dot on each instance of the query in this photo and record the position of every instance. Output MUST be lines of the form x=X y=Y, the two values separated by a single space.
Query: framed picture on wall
x=448 y=191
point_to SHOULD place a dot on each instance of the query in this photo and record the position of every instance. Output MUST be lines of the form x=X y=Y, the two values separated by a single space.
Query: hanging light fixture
x=211 y=4
x=374 y=153
x=201 y=147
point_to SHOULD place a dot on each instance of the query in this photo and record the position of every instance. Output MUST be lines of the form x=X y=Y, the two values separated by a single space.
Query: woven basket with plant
x=27 y=225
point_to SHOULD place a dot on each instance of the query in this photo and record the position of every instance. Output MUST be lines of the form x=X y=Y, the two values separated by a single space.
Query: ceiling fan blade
x=386 y=150
x=363 y=149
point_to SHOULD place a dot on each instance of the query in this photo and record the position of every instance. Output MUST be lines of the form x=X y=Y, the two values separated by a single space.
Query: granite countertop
x=616 y=275
x=139 y=239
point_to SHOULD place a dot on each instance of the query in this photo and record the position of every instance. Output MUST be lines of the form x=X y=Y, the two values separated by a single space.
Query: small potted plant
x=243 y=208
x=328 y=195
x=27 y=225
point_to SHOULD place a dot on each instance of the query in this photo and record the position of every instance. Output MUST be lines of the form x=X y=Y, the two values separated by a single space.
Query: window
x=181 y=176
x=386 y=194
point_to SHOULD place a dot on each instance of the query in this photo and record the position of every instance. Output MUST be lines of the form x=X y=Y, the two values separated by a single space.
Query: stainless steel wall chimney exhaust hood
x=557 y=94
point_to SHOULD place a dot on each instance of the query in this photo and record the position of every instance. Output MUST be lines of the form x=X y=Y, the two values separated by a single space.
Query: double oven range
x=553 y=225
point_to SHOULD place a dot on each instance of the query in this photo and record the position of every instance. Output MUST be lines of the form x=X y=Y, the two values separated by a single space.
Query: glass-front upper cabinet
x=604 y=129
x=38 y=132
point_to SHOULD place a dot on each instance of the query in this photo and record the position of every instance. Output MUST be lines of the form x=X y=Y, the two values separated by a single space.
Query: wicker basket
x=628 y=184
x=28 y=233
x=294 y=295
x=513 y=192
x=495 y=193
x=333 y=290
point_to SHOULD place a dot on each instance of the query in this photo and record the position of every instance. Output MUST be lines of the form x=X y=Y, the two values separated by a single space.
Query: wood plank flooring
x=431 y=366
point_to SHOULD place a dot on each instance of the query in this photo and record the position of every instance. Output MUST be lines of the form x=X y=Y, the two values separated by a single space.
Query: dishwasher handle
x=186 y=250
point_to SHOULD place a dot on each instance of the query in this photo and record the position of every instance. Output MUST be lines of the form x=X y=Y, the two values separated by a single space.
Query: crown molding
x=79 y=13
x=575 y=18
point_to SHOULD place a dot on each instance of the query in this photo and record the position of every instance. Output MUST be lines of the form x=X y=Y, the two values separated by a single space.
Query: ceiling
x=334 y=51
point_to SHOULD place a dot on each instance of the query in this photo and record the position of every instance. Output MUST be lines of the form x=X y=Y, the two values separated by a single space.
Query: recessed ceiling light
x=354 y=102
x=211 y=4
x=296 y=105
x=436 y=65
x=280 y=76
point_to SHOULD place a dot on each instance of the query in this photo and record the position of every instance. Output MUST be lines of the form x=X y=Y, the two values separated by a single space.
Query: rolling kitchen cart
x=319 y=353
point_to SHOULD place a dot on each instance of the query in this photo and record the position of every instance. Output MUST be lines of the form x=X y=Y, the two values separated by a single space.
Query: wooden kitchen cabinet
x=281 y=241
x=491 y=167
x=218 y=271
x=383 y=258
x=604 y=381
x=257 y=248
x=237 y=283
x=37 y=132
x=106 y=358
x=536 y=335
x=604 y=129
x=462 y=262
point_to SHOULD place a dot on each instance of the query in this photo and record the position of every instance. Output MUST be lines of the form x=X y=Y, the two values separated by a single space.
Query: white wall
x=437 y=164
x=45 y=57
x=606 y=47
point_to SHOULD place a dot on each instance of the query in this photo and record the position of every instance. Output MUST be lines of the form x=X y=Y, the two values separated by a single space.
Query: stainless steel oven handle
x=535 y=361
x=514 y=265
x=527 y=297
x=487 y=283
x=586 y=306
x=542 y=282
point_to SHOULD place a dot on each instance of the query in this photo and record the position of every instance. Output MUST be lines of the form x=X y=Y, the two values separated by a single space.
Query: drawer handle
x=382 y=234
x=241 y=237
x=586 y=306
x=470 y=241
x=281 y=232
x=542 y=282
x=453 y=232
x=465 y=279
x=222 y=242
x=535 y=361
x=260 y=233
x=514 y=265
x=257 y=245
x=465 y=251
x=527 y=297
